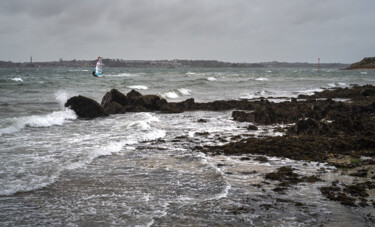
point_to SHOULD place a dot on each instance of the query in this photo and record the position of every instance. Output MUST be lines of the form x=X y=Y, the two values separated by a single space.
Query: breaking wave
x=36 y=121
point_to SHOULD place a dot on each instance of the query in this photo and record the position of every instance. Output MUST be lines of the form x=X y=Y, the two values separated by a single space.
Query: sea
x=141 y=169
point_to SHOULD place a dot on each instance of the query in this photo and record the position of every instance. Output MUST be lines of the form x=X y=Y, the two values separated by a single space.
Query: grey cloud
x=237 y=30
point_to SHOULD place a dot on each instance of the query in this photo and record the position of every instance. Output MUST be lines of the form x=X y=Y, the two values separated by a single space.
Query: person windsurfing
x=98 y=71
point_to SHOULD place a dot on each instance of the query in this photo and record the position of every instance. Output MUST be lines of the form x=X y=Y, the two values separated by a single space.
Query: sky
x=225 y=30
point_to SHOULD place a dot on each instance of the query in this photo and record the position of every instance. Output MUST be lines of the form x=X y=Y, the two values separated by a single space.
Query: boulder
x=114 y=96
x=133 y=94
x=114 y=108
x=86 y=108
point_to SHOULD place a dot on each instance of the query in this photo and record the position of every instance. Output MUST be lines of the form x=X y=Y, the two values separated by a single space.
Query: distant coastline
x=168 y=64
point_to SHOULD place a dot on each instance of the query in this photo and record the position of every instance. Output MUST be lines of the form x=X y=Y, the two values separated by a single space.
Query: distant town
x=167 y=64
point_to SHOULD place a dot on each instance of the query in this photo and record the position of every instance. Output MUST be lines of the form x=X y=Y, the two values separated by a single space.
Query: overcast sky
x=225 y=30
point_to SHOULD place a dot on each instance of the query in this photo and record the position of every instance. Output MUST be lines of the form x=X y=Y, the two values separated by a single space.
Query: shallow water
x=141 y=168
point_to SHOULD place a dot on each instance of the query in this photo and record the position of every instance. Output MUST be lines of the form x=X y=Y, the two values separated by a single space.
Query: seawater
x=140 y=169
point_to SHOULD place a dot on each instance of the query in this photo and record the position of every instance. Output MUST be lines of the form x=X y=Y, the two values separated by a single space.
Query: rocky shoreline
x=336 y=126
x=365 y=64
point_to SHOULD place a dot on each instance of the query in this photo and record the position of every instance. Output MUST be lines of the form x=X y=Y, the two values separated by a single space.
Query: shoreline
x=318 y=129
x=341 y=134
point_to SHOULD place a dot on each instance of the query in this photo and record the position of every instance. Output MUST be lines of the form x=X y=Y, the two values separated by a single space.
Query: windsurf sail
x=99 y=67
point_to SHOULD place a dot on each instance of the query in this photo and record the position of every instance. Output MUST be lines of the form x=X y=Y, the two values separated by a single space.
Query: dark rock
x=242 y=116
x=261 y=159
x=367 y=92
x=311 y=179
x=252 y=127
x=114 y=96
x=114 y=108
x=284 y=174
x=86 y=108
x=309 y=126
x=133 y=94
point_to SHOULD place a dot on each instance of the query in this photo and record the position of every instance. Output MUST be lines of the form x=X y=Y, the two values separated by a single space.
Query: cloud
x=237 y=30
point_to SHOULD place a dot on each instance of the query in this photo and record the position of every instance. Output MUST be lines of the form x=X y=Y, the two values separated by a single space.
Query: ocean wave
x=170 y=95
x=122 y=75
x=139 y=87
x=310 y=91
x=176 y=93
x=38 y=121
x=339 y=84
x=78 y=70
x=261 y=79
x=211 y=78
x=17 y=79
x=184 y=91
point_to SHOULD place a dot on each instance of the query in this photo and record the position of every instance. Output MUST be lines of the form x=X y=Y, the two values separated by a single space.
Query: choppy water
x=139 y=169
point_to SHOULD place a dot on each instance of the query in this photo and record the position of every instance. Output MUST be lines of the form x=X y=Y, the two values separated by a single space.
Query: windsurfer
x=94 y=74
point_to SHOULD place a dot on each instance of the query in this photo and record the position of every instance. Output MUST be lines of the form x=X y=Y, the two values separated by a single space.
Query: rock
x=86 y=108
x=133 y=94
x=242 y=116
x=114 y=96
x=370 y=91
x=114 y=108
x=140 y=103
x=366 y=63
x=114 y=101
x=265 y=115
x=309 y=126
x=252 y=127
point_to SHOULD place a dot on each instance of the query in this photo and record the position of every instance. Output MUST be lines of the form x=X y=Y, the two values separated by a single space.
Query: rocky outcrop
x=366 y=63
x=115 y=102
x=86 y=108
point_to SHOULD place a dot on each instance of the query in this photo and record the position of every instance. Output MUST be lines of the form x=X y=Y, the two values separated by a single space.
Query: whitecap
x=38 y=121
x=332 y=85
x=122 y=75
x=191 y=73
x=364 y=73
x=211 y=78
x=170 y=95
x=139 y=87
x=17 y=79
x=261 y=79
x=184 y=91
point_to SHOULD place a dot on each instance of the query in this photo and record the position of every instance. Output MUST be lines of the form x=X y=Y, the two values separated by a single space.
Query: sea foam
x=261 y=79
x=176 y=93
x=17 y=79
x=170 y=95
x=139 y=87
x=37 y=121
